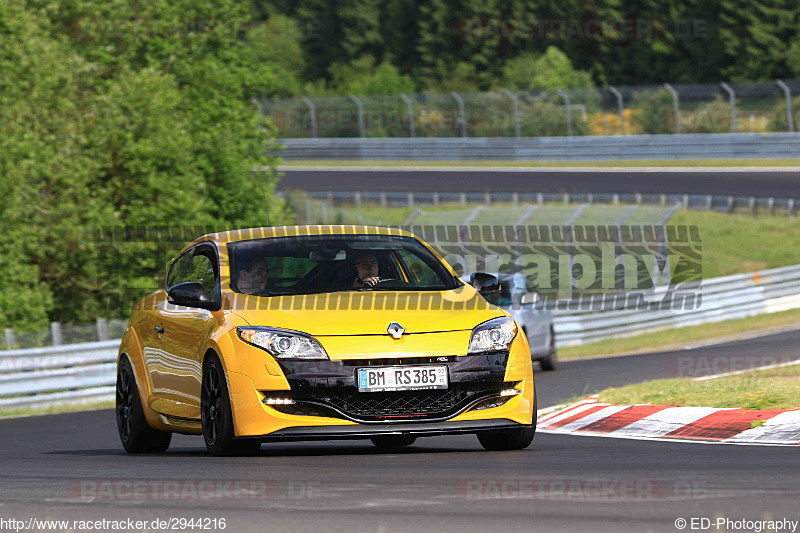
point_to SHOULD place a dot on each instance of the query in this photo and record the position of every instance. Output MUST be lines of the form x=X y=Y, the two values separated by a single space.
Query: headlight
x=493 y=335
x=283 y=344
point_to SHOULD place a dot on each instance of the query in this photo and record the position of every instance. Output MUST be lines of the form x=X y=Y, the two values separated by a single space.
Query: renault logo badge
x=395 y=330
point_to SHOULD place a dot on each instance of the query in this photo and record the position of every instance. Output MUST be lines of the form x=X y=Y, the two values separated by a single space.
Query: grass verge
x=776 y=388
x=739 y=242
x=679 y=337
x=566 y=164
x=56 y=409
x=731 y=243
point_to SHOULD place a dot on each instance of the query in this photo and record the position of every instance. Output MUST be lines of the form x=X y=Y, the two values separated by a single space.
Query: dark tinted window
x=326 y=263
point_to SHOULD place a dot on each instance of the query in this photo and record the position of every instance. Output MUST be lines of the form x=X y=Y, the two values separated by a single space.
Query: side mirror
x=487 y=285
x=191 y=294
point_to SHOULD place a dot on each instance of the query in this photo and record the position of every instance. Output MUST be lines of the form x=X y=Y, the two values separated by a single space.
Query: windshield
x=308 y=264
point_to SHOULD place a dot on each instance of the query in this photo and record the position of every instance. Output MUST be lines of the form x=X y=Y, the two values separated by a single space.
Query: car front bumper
x=252 y=418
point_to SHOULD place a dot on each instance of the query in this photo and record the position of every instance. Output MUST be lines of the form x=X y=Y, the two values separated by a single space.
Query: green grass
x=682 y=336
x=731 y=243
x=533 y=164
x=56 y=409
x=777 y=388
x=738 y=243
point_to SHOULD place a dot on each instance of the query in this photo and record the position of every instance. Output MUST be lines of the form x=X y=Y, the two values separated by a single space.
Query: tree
x=552 y=70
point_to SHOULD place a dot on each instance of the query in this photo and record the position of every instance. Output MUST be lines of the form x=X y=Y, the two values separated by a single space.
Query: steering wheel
x=385 y=282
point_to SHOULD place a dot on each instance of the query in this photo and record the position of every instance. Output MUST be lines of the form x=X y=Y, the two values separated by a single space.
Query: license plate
x=396 y=378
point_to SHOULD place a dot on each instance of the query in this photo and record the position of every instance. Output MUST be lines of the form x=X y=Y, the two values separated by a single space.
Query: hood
x=368 y=312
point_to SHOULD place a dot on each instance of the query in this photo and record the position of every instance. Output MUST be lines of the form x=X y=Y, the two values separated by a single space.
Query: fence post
x=436 y=198
x=732 y=96
x=771 y=205
x=410 y=199
x=55 y=331
x=615 y=199
x=539 y=198
x=462 y=198
x=384 y=203
x=638 y=197
x=790 y=207
x=357 y=198
x=515 y=198
x=675 y=108
x=620 y=106
x=360 y=108
x=312 y=112
x=515 y=107
x=11 y=341
x=565 y=96
x=709 y=202
x=461 y=114
x=752 y=204
x=102 y=329
x=662 y=199
x=487 y=198
x=788 y=94
x=411 y=129
x=686 y=201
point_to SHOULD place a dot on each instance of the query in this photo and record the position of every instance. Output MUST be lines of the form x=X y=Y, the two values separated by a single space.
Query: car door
x=184 y=331
x=537 y=318
x=149 y=332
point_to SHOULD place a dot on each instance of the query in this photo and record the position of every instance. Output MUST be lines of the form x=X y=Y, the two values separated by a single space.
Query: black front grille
x=398 y=405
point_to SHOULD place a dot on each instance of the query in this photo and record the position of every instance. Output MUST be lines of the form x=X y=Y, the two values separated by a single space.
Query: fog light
x=510 y=392
x=277 y=401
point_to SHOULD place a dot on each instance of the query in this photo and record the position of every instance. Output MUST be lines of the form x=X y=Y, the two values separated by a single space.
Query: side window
x=419 y=273
x=178 y=269
x=286 y=271
x=202 y=270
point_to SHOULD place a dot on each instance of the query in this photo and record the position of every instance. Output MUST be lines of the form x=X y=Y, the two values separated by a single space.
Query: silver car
x=519 y=297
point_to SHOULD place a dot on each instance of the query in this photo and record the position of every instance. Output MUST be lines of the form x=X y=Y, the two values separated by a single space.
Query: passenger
x=254 y=275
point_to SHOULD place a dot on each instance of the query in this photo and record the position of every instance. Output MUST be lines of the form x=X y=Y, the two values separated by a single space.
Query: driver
x=366 y=271
x=254 y=275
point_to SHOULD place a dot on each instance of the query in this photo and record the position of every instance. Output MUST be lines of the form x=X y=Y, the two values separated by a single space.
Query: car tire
x=510 y=439
x=134 y=432
x=550 y=362
x=393 y=442
x=217 y=417
x=507 y=439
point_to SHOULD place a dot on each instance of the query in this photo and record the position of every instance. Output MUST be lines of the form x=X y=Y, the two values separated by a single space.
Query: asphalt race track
x=737 y=182
x=71 y=467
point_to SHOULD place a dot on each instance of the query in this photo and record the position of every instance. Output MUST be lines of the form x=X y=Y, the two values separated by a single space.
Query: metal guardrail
x=725 y=203
x=86 y=372
x=723 y=298
x=38 y=377
x=600 y=148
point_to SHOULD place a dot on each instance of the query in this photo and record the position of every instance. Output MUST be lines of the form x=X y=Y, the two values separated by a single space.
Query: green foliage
x=108 y=124
x=711 y=117
x=551 y=70
x=546 y=115
x=779 y=121
x=656 y=111
x=362 y=77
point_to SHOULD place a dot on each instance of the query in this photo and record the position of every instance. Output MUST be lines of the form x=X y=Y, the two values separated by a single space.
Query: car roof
x=225 y=237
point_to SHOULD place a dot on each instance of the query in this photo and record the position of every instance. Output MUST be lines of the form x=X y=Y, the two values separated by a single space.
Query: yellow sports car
x=321 y=333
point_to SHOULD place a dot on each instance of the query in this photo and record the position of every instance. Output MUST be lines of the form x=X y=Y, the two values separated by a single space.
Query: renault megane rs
x=321 y=333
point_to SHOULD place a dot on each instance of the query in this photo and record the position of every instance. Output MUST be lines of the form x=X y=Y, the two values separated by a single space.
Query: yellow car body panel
x=349 y=326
